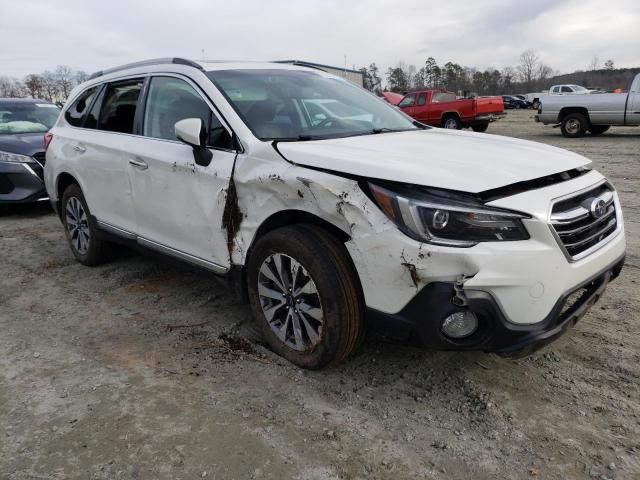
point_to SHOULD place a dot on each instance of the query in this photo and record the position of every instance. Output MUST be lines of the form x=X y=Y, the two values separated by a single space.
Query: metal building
x=354 y=76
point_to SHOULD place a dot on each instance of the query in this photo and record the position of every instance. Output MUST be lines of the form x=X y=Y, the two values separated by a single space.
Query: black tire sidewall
x=583 y=125
x=94 y=253
x=319 y=262
x=455 y=119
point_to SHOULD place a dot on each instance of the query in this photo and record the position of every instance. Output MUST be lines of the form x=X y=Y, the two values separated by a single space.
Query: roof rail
x=154 y=61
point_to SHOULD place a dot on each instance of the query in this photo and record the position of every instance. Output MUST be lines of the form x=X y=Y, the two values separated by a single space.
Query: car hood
x=448 y=159
x=22 y=143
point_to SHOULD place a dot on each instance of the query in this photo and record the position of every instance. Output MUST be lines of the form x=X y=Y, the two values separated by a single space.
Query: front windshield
x=578 y=88
x=27 y=117
x=300 y=105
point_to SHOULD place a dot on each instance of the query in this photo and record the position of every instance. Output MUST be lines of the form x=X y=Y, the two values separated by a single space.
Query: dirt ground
x=101 y=379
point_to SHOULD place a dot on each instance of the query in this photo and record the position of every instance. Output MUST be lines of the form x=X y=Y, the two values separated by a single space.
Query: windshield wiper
x=299 y=138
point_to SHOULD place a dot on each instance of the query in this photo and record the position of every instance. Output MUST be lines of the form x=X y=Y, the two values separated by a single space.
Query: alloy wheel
x=77 y=225
x=290 y=302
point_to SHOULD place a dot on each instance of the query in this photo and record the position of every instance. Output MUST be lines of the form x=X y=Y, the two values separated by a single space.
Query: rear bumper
x=421 y=318
x=21 y=183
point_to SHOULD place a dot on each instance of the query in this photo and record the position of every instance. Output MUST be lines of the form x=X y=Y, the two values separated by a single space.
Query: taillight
x=47 y=140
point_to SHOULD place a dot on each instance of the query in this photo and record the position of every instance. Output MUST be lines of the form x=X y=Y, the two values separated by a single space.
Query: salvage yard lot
x=140 y=368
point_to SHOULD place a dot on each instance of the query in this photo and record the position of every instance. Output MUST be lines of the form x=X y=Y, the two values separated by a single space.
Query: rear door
x=98 y=147
x=178 y=204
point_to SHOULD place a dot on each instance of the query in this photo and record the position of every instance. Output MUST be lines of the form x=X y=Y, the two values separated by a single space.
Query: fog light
x=460 y=324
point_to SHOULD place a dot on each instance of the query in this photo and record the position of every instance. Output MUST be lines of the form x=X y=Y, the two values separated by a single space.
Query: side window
x=556 y=90
x=567 y=90
x=408 y=100
x=76 y=112
x=92 y=117
x=170 y=100
x=422 y=99
x=119 y=106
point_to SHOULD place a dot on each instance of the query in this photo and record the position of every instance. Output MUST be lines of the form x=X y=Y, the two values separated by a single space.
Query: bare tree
x=545 y=72
x=594 y=64
x=11 y=87
x=609 y=65
x=65 y=80
x=50 y=85
x=34 y=85
x=528 y=67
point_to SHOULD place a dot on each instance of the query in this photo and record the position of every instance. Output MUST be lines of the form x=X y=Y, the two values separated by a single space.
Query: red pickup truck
x=443 y=109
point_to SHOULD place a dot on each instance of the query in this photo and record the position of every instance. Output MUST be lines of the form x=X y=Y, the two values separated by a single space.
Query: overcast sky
x=90 y=34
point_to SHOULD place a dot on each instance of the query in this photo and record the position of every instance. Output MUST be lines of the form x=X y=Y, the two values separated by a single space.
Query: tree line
x=529 y=75
x=54 y=86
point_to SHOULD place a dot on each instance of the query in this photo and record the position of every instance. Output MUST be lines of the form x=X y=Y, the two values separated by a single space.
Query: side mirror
x=193 y=132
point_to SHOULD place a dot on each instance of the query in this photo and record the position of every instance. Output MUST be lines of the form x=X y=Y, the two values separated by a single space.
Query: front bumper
x=21 y=183
x=420 y=320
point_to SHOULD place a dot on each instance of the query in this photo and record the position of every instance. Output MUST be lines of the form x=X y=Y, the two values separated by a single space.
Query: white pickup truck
x=566 y=89
x=577 y=114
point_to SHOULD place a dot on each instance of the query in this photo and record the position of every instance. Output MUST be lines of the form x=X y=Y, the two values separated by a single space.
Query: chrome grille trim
x=579 y=232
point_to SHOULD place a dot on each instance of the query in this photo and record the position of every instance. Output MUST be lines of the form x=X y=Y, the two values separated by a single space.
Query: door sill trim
x=159 y=247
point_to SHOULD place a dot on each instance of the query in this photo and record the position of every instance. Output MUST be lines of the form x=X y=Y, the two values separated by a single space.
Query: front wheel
x=305 y=296
x=598 y=129
x=480 y=127
x=80 y=228
x=574 y=125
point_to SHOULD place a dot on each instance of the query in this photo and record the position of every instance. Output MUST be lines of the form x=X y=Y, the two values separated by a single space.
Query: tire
x=329 y=311
x=536 y=105
x=574 y=125
x=480 y=127
x=452 y=122
x=83 y=240
x=598 y=129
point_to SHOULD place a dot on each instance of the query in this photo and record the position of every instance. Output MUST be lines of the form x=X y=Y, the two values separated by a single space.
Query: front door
x=178 y=204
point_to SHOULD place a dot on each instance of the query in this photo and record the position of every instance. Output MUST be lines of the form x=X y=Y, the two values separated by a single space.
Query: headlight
x=451 y=221
x=15 y=158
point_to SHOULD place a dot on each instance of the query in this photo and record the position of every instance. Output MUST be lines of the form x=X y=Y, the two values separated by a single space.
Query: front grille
x=585 y=220
x=40 y=157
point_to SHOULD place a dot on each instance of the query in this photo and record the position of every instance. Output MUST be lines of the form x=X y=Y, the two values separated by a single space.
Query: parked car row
x=331 y=211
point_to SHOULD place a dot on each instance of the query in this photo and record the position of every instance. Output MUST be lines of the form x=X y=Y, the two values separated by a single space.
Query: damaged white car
x=334 y=221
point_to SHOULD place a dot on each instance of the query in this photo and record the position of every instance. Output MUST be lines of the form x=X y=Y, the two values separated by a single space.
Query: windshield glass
x=578 y=88
x=27 y=117
x=299 y=105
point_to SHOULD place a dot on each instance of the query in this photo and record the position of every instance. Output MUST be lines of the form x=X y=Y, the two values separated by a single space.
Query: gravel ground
x=101 y=376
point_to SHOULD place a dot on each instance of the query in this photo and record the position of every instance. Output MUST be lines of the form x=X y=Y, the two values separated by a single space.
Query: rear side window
x=170 y=100
x=76 y=112
x=422 y=99
x=119 y=106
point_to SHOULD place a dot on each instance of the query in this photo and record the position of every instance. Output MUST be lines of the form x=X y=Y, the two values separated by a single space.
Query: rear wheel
x=574 y=125
x=480 y=127
x=80 y=228
x=598 y=129
x=452 y=122
x=305 y=297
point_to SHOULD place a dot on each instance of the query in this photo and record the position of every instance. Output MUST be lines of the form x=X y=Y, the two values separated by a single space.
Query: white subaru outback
x=332 y=211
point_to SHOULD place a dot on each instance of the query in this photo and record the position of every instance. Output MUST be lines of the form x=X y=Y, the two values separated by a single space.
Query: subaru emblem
x=598 y=208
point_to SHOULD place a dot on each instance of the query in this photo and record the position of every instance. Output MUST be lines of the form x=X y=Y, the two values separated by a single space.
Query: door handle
x=138 y=164
x=79 y=148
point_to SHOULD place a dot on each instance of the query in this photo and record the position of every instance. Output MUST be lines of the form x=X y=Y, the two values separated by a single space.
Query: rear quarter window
x=76 y=113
